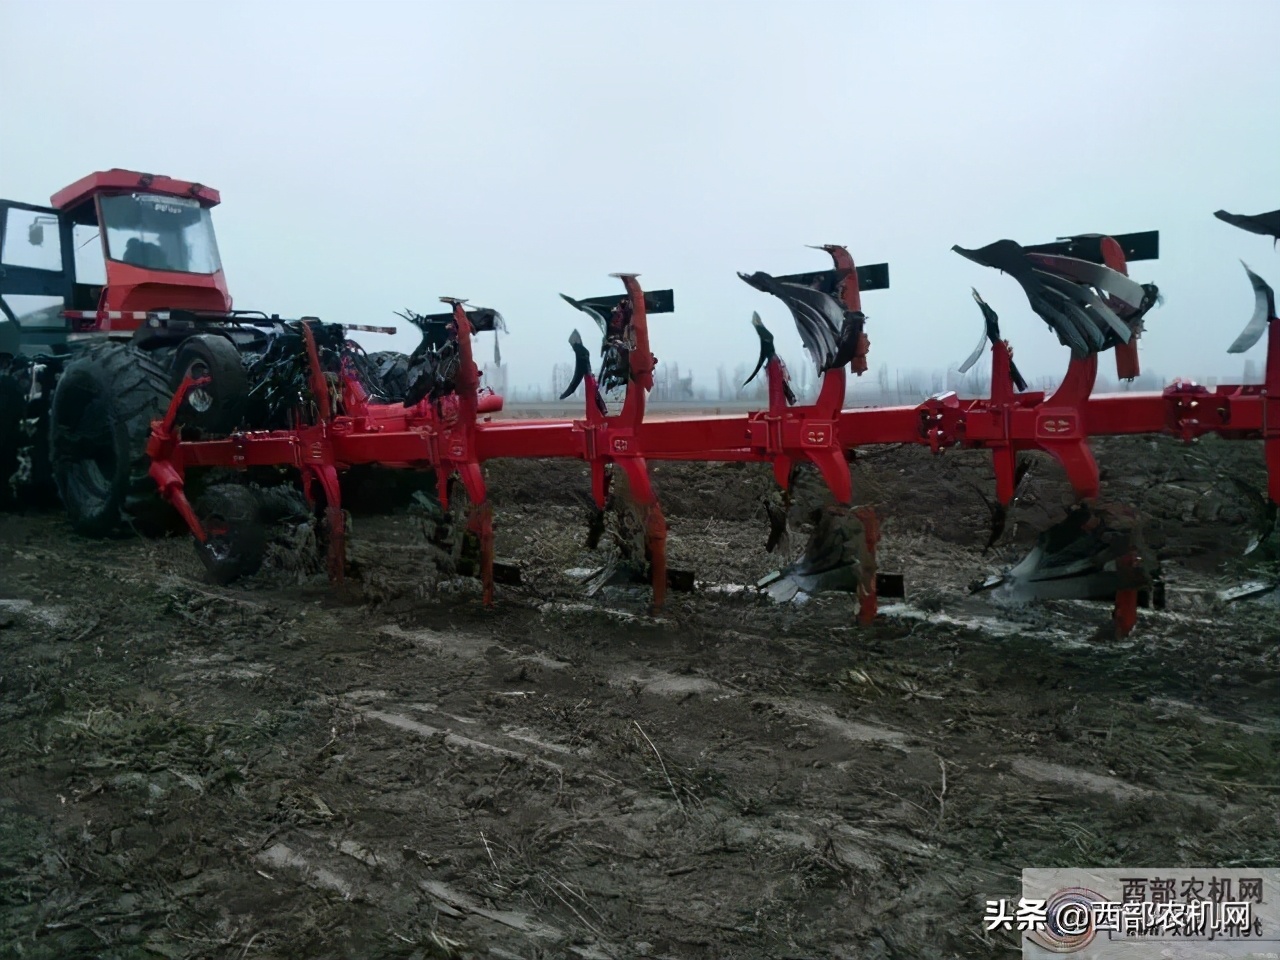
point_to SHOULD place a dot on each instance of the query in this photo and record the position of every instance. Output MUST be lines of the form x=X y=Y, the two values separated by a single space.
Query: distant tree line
x=881 y=386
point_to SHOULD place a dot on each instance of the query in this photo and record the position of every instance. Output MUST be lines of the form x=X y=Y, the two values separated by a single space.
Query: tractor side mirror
x=35 y=233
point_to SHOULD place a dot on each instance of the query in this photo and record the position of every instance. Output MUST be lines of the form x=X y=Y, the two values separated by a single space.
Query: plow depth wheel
x=216 y=407
x=235 y=532
x=452 y=533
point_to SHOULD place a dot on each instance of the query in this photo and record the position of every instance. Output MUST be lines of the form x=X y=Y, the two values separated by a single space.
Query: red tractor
x=109 y=297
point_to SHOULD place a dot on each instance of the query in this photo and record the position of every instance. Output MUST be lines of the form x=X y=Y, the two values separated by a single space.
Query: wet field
x=273 y=769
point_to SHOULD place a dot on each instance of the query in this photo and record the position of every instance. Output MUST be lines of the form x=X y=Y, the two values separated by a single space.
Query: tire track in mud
x=707 y=705
x=630 y=832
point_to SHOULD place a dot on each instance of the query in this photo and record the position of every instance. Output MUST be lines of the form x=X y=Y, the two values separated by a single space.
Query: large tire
x=392 y=368
x=99 y=424
x=235 y=532
x=217 y=407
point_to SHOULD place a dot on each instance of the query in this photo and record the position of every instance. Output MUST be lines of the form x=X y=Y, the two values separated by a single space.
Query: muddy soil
x=274 y=770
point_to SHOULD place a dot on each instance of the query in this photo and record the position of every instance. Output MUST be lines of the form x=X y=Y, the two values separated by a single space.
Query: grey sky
x=376 y=155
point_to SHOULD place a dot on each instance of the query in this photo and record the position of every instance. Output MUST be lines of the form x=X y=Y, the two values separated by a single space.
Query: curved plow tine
x=851 y=342
x=1068 y=328
x=990 y=319
x=479 y=517
x=840 y=258
x=767 y=351
x=486 y=319
x=990 y=332
x=776 y=512
x=997 y=511
x=589 y=310
x=976 y=355
x=612 y=445
x=1010 y=257
x=818 y=317
x=1085 y=302
x=1000 y=511
x=1121 y=329
x=1266 y=514
x=999 y=516
x=1265 y=528
x=770 y=363
x=1265 y=224
x=1084 y=324
x=581 y=364
x=1068 y=334
x=1264 y=311
x=632 y=521
x=1019 y=382
x=595 y=526
x=1082 y=301
x=1097 y=275
x=777 y=509
x=1004 y=255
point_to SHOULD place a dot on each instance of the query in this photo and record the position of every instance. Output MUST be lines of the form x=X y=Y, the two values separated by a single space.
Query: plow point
x=833 y=559
x=1093 y=554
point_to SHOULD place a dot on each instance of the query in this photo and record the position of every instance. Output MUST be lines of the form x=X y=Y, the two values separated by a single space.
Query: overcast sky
x=376 y=155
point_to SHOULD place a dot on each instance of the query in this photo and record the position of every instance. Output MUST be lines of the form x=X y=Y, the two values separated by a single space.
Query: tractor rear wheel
x=218 y=406
x=99 y=424
x=235 y=532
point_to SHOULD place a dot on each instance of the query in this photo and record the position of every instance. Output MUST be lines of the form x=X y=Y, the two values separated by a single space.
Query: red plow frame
x=455 y=434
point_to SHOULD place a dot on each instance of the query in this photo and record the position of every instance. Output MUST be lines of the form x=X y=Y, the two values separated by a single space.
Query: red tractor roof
x=127 y=181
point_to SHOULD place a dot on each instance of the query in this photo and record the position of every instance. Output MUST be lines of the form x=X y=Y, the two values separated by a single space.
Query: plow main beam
x=1234 y=412
x=1186 y=411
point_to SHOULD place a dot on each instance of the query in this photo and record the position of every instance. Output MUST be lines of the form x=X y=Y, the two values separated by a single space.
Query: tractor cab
x=110 y=248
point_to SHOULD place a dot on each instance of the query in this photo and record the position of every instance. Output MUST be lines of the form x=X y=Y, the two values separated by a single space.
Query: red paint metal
x=116 y=180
